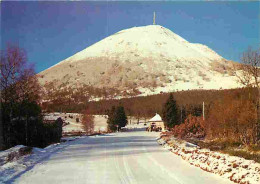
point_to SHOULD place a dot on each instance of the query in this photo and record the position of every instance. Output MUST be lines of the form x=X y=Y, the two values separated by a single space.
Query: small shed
x=156 y=123
x=52 y=119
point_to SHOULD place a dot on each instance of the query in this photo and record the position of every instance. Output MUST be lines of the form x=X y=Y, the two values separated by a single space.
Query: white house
x=156 y=122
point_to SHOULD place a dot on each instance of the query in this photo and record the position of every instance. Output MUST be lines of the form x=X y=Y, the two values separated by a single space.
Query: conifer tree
x=111 y=119
x=121 y=117
x=170 y=113
x=116 y=118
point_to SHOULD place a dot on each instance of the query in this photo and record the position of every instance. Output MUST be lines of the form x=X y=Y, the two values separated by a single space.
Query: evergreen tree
x=111 y=119
x=170 y=113
x=116 y=118
x=121 y=119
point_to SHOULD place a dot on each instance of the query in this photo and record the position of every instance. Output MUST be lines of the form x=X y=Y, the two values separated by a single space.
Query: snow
x=100 y=121
x=13 y=169
x=4 y=154
x=157 y=117
x=149 y=40
x=136 y=127
x=216 y=81
x=69 y=119
x=128 y=157
x=9 y=170
x=234 y=168
x=144 y=55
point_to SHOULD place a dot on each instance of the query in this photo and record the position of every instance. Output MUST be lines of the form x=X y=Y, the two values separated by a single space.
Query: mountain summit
x=149 y=59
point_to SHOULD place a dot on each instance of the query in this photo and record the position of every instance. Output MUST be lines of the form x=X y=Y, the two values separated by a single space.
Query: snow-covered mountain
x=151 y=59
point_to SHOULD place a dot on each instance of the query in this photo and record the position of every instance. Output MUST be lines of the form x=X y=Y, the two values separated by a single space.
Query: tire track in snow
x=128 y=169
x=162 y=168
x=119 y=170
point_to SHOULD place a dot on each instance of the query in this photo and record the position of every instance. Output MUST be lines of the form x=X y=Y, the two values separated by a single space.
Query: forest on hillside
x=147 y=106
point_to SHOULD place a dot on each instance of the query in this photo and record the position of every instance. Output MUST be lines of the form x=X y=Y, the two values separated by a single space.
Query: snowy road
x=130 y=157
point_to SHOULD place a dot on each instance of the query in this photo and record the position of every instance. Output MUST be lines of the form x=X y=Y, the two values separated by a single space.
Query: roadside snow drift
x=234 y=168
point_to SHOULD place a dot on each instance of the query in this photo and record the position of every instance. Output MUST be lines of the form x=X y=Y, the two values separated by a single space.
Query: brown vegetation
x=232 y=119
x=249 y=76
x=192 y=127
x=88 y=122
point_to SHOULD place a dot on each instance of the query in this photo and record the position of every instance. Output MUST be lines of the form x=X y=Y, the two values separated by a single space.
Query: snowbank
x=238 y=170
x=21 y=160
x=14 y=153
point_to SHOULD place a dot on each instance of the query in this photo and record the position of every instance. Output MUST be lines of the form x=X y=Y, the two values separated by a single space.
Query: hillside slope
x=149 y=59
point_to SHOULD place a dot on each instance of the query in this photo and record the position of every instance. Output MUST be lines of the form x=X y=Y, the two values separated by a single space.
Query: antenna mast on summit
x=153 y=18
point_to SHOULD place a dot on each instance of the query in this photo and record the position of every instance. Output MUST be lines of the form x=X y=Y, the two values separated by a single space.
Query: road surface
x=127 y=157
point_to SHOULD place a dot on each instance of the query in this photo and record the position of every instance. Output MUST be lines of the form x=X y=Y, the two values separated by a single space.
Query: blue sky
x=53 y=31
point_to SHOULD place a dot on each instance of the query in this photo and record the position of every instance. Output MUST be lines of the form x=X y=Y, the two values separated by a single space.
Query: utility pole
x=203 y=110
x=181 y=114
x=153 y=18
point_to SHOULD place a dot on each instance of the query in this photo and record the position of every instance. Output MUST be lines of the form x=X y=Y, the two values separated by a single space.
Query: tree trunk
x=26 y=130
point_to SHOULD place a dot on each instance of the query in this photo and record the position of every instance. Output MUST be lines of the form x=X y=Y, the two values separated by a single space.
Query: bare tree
x=248 y=74
x=88 y=122
x=13 y=61
x=18 y=83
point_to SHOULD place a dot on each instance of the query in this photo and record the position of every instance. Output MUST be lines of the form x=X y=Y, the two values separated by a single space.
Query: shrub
x=51 y=132
x=192 y=127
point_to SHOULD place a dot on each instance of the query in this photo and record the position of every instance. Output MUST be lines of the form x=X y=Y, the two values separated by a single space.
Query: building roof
x=50 y=117
x=157 y=117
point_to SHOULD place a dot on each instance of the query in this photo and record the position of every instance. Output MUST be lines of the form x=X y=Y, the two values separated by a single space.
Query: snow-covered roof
x=50 y=118
x=157 y=117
